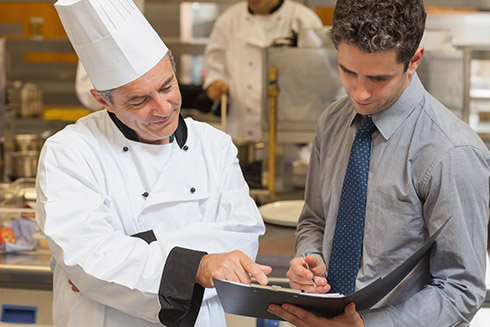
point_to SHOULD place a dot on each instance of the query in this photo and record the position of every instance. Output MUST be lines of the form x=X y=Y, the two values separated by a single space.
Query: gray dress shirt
x=426 y=165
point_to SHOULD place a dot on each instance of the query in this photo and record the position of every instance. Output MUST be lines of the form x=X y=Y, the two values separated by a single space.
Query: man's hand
x=216 y=89
x=73 y=287
x=233 y=266
x=302 y=318
x=300 y=277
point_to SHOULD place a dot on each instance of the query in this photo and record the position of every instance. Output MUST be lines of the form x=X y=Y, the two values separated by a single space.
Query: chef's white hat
x=112 y=39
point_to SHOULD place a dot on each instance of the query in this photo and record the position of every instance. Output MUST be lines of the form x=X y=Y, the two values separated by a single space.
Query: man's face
x=373 y=81
x=262 y=7
x=150 y=105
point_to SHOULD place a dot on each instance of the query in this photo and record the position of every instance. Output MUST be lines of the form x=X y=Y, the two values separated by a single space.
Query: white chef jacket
x=96 y=188
x=234 y=54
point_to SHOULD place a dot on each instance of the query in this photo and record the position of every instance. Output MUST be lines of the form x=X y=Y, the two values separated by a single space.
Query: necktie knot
x=367 y=127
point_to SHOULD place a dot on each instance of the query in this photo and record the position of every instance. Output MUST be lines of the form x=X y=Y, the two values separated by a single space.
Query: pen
x=308 y=267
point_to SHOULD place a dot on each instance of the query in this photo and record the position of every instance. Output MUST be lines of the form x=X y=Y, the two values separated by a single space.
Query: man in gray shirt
x=425 y=165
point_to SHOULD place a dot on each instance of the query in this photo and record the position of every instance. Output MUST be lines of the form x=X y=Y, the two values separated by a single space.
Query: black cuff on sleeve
x=179 y=295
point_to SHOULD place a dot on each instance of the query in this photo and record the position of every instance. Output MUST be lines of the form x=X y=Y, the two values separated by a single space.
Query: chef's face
x=373 y=81
x=262 y=7
x=150 y=105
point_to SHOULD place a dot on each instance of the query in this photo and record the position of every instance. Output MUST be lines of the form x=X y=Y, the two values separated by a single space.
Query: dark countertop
x=276 y=249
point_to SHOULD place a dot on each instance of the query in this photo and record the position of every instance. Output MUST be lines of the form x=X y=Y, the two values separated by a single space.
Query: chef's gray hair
x=380 y=25
x=107 y=94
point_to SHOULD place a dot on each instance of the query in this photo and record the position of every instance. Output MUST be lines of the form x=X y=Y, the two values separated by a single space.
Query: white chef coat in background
x=234 y=54
x=83 y=85
x=91 y=188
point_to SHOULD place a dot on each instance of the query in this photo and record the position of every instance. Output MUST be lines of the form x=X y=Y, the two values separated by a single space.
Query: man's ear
x=100 y=100
x=415 y=61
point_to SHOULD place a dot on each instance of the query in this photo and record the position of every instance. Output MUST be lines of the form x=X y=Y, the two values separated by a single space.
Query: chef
x=140 y=207
x=234 y=53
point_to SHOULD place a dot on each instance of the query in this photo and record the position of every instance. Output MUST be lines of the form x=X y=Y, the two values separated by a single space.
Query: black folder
x=253 y=299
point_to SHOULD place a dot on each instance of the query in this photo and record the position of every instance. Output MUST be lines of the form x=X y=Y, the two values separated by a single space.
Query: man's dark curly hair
x=380 y=25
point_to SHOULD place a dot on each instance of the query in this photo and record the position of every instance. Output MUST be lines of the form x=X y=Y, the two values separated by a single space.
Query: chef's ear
x=99 y=98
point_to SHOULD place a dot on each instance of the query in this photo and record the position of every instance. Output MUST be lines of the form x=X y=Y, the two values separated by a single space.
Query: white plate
x=285 y=213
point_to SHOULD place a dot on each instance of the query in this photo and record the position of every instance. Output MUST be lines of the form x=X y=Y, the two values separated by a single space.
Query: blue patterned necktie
x=346 y=252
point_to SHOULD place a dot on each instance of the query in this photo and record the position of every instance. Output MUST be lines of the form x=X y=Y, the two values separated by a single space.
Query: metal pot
x=24 y=164
x=31 y=100
x=27 y=142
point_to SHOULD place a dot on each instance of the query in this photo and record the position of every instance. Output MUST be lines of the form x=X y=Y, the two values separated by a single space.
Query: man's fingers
x=233 y=266
x=280 y=312
x=265 y=269
x=316 y=264
x=224 y=88
x=295 y=315
x=216 y=89
x=298 y=273
x=297 y=267
x=254 y=269
x=322 y=281
x=350 y=309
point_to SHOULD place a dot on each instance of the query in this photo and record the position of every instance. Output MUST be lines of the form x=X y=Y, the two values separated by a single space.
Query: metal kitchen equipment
x=21 y=155
x=23 y=164
x=27 y=142
x=442 y=70
x=31 y=97
x=308 y=81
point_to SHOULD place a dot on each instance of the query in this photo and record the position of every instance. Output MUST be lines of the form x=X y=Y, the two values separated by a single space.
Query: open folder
x=253 y=300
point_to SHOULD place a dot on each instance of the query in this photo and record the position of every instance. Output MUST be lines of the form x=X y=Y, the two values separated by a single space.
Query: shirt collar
x=180 y=133
x=387 y=121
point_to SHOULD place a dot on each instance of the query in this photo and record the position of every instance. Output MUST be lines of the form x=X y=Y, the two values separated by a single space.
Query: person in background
x=141 y=209
x=83 y=85
x=233 y=56
x=424 y=166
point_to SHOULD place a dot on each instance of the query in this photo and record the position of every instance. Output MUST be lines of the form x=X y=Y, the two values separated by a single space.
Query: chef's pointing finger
x=257 y=271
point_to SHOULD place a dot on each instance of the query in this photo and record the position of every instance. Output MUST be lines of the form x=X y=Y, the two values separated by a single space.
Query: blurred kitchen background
x=37 y=98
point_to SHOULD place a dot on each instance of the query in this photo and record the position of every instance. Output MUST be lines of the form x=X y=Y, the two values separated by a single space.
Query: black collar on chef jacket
x=180 y=133
x=272 y=10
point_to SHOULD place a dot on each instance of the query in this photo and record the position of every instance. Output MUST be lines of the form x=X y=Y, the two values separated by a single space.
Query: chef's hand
x=302 y=318
x=300 y=277
x=233 y=266
x=216 y=89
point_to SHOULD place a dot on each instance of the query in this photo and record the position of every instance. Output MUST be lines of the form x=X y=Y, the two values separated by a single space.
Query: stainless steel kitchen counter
x=30 y=269
x=27 y=270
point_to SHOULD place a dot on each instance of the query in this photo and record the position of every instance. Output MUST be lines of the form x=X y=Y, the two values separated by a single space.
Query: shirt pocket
x=395 y=228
